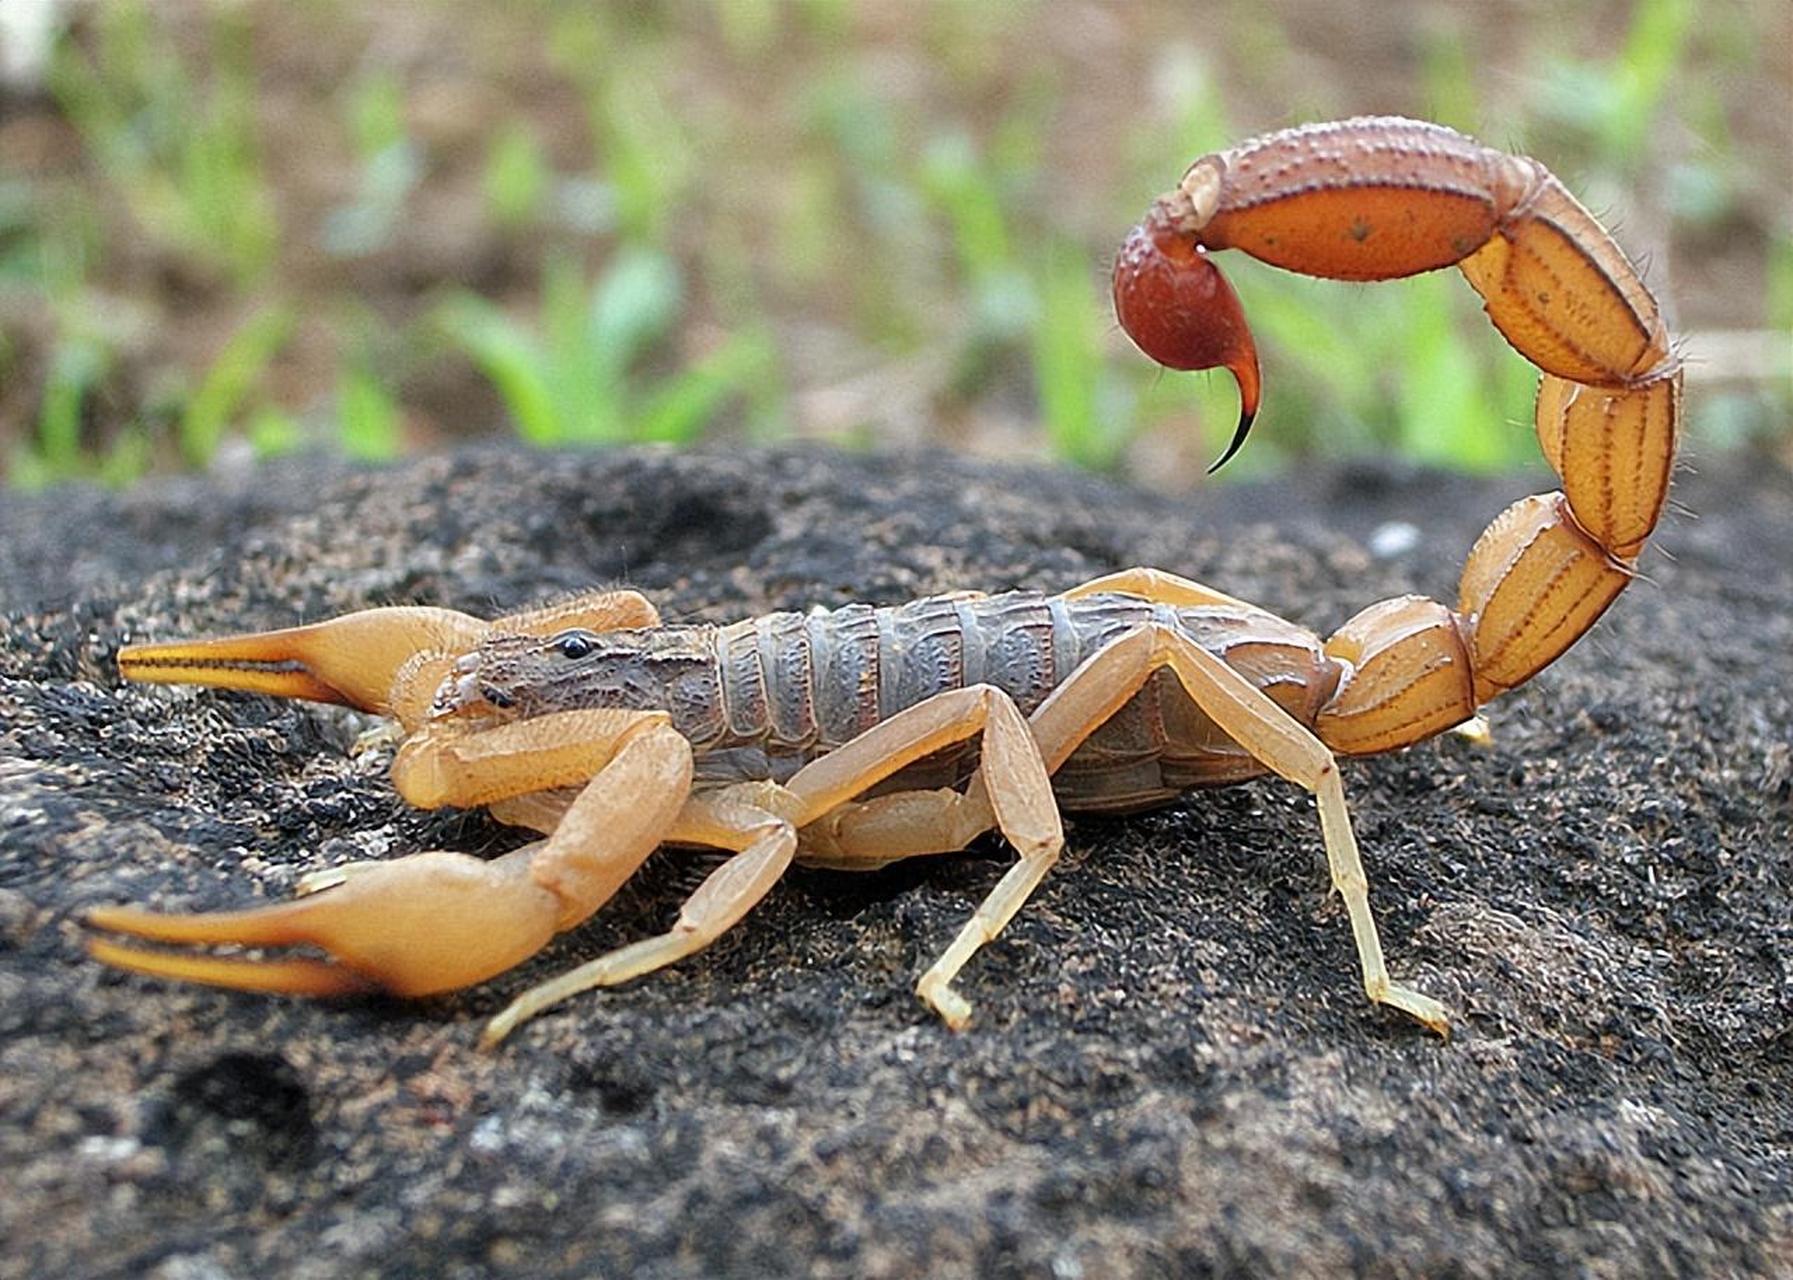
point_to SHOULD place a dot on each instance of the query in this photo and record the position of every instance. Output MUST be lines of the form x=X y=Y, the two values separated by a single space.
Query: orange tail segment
x=1379 y=198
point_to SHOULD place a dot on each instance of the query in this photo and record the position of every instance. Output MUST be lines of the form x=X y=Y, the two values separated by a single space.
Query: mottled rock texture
x=1173 y=1071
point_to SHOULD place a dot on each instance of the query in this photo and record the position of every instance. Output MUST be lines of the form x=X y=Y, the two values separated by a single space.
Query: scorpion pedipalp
x=418 y=925
x=355 y=659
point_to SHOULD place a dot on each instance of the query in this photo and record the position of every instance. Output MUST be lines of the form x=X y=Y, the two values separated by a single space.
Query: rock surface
x=1173 y=1070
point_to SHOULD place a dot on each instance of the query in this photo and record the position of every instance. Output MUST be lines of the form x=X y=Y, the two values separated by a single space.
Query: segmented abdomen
x=795 y=686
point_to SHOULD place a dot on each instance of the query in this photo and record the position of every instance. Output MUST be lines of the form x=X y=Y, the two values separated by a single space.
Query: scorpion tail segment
x=354 y=659
x=1181 y=311
x=424 y=924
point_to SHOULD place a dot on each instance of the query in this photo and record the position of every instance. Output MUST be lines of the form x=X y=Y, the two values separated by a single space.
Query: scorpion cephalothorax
x=865 y=735
x=515 y=677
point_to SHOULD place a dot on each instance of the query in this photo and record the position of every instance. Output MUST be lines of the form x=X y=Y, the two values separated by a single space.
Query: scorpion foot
x=953 y=1008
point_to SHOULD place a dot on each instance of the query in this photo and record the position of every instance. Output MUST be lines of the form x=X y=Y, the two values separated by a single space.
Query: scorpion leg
x=538 y=810
x=763 y=842
x=1157 y=586
x=1104 y=683
x=438 y=921
x=992 y=915
x=864 y=835
x=1019 y=791
x=873 y=833
x=449 y=763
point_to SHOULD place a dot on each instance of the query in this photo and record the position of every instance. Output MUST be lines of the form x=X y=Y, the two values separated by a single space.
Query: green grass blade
x=958 y=184
x=634 y=304
x=1067 y=363
x=511 y=361
x=678 y=411
x=517 y=177
x=369 y=420
x=228 y=382
x=584 y=371
x=75 y=368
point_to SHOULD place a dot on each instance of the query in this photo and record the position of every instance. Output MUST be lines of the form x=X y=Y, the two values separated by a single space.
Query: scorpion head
x=515 y=677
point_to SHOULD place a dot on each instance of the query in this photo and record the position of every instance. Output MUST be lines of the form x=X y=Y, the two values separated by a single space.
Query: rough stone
x=1173 y=1070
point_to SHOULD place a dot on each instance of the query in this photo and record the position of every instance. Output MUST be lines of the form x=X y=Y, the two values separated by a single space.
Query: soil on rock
x=1173 y=1069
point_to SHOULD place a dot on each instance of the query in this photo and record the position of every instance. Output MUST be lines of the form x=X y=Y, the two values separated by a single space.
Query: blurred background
x=233 y=230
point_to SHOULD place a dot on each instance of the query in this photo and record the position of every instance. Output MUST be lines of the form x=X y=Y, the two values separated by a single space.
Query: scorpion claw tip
x=296 y=976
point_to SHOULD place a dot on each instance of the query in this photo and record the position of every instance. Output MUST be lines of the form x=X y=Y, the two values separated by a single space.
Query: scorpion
x=857 y=737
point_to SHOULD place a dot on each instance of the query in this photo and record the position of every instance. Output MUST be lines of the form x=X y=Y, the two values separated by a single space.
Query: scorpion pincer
x=858 y=737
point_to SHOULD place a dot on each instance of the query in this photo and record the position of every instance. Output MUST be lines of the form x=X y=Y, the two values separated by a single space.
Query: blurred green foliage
x=179 y=150
x=579 y=383
x=219 y=397
x=283 y=226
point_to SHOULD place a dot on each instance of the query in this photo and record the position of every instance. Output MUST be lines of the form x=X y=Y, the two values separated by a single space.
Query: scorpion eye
x=574 y=645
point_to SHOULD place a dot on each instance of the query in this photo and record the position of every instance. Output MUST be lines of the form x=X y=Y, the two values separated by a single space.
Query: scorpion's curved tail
x=1379 y=198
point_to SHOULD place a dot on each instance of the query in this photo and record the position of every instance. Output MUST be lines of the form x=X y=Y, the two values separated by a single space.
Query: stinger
x=1181 y=311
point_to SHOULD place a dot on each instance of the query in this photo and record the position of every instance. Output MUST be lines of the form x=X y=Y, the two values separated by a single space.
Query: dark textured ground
x=1173 y=1070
